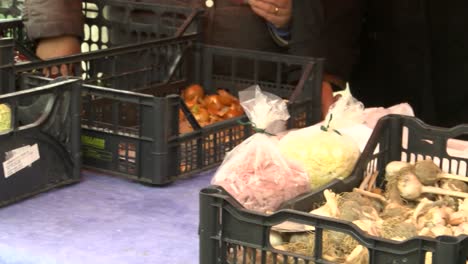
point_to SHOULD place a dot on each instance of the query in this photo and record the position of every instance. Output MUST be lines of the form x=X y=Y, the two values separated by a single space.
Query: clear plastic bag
x=255 y=173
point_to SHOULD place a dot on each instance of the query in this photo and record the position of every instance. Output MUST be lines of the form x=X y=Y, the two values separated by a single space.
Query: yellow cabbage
x=325 y=155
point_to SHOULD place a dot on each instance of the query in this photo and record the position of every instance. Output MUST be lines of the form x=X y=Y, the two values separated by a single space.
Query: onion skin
x=458 y=218
x=200 y=114
x=409 y=186
x=226 y=98
x=234 y=111
x=441 y=230
x=213 y=101
x=192 y=92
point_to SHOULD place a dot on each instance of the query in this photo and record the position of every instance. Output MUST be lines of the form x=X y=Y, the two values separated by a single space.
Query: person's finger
x=54 y=72
x=278 y=21
x=279 y=17
x=64 y=70
x=266 y=7
x=46 y=72
x=279 y=3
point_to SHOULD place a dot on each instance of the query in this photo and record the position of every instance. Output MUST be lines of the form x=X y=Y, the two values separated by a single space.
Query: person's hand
x=49 y=48
x=277 y=12
x=327 y=98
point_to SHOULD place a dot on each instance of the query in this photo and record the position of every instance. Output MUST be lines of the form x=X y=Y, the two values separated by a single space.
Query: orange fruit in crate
x=200 y=113
x=193 y=92
x=226 y=98
x=213 y=102
x=235 y=110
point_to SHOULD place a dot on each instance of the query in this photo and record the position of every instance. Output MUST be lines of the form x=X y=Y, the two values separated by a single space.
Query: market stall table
x=105 y=219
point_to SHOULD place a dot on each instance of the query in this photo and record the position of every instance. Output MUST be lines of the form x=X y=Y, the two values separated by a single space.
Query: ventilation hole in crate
x=210 y=145
x=445 y=165
x=84 y=47
x=428 y=257
x=455 y=167
x=457 y=147
x=404 y=140
x=94 y=33
x=94 y=47
x=127 y=158
x=91 y=10
x=5 y=117
x=419 y=157
x=115 y=13
x=462 y=168
x=104 y=35
x=188 y=156
x=85 y=68
x=87 y=32
x=428 y=141
x=404 y=156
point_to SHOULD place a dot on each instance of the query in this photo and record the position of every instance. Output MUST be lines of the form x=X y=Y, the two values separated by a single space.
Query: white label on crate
x=19 y=159
x=10 y=154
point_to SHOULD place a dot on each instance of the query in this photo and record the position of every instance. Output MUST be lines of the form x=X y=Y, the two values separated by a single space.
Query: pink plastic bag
x=255 y=173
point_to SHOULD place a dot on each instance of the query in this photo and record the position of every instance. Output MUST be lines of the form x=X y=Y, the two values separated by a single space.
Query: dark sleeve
x=328 y=29
x=52 y=18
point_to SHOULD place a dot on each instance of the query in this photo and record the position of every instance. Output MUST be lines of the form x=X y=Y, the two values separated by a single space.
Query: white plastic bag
x=346 y=111
x=255 y=173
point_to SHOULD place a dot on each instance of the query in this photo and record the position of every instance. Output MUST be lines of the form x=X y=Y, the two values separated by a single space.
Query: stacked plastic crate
x=135 y=133
x=41 y=127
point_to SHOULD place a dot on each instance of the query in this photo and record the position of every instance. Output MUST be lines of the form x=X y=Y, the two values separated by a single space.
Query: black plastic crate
x=115 y=22
x=137 y=135
x=226 y=227
x=46 y=117
x=111 y=23
x=24 y=49
x=164 y=67
x=11 y=8
x=127 y=67
x=230 y=234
